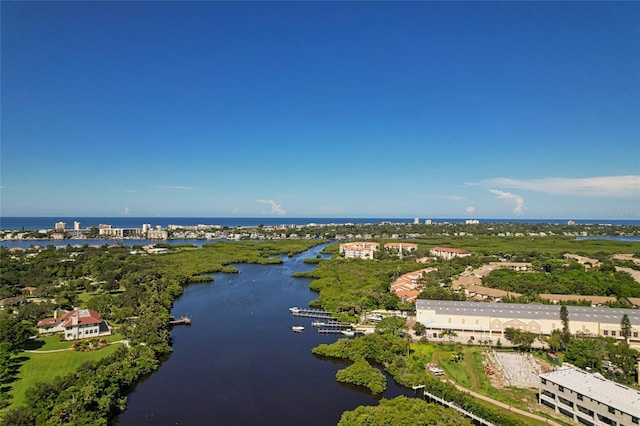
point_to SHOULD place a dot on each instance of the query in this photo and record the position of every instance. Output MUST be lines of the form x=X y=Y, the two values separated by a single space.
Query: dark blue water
x=239 y=363
x=34 y=223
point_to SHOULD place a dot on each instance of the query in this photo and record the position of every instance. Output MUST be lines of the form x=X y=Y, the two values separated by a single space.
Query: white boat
x=318 y=324
x=294 y=310
x=297 y=328
x=348 y=333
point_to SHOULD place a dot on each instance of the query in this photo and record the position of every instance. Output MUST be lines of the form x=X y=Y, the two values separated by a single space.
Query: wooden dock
x=185 y=320
x=312 y=313
x=334 y=331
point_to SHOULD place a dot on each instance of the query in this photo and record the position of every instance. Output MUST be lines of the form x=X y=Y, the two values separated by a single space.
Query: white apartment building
x=483 y=320
x=400 y=247
x=589 y=399
x=157 y=234
x=448 y=253
x=359 y=250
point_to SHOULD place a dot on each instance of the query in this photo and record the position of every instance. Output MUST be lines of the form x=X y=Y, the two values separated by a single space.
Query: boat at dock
x=318 y=324
x=348 y=333
x=294 y=309
x=297 y=328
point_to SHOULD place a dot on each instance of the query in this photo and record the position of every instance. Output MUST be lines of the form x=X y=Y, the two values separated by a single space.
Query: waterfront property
x=76 y=324
x=589 y=399
x=482 y=320
x=359 y=250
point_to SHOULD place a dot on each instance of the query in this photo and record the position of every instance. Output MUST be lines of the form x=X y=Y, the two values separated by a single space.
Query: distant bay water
x=36 y=223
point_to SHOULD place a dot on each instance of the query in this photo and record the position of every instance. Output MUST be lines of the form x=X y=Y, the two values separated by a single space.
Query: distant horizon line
x=621 y=217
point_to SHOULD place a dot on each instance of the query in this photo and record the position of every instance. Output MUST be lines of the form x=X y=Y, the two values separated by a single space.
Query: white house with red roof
x=76 y=324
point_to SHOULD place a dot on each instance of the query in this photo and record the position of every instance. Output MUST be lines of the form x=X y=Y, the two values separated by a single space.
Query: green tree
x=363 y=374
x=566 y=332
x=392 y=324
x=625 y=327
x=13 y=331
x=554 y=340
x=522 y=339
x=419 y=329
x=449 y=333
x=403 y=411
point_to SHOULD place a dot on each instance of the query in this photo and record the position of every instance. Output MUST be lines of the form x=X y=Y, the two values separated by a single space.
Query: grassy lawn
x=463 y=372
x=38 y=367
x=52 y=343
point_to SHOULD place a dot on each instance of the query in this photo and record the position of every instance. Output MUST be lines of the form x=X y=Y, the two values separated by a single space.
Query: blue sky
x=321 y=109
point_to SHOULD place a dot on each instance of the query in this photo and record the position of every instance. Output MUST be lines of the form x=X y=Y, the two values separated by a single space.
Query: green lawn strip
x=456 y=371
x=53 y=343
x=44 y=367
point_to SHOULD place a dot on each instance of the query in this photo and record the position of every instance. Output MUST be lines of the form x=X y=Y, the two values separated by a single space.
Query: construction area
x=514 y=369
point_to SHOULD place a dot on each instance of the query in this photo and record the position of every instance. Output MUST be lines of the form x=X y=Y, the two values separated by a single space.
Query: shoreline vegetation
x=135 y=293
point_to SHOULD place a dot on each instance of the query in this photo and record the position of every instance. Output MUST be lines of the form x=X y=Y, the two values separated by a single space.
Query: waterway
x=239 y=363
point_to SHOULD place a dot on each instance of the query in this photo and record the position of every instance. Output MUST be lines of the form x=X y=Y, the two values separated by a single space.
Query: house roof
x=11 y=301
x=598 y=388
x=598 y=300
x=635 y=301
x=450 y=250
x=401 y=245
x=491 y=292
x=408 y=295
x=83 y=316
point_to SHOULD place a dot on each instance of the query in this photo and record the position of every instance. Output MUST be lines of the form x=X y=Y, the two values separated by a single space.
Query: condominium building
x=589 y=399
x=400 y=247
x=483 y=320
x=448 y=253
x=360 y=250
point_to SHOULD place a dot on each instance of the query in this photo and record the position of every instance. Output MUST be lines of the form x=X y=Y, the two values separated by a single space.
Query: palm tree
x=448 y=332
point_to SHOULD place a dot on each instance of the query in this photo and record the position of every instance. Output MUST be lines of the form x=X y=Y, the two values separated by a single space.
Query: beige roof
x=596 y=300
x=490 y=292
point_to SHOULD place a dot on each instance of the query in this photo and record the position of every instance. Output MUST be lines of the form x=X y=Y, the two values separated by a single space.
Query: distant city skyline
x=321 y=109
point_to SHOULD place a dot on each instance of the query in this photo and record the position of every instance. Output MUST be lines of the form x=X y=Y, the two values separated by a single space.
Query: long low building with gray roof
x=481 y=320
x=588 y=398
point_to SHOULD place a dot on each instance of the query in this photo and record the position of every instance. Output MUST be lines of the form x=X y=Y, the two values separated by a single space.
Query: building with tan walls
x=482 y=320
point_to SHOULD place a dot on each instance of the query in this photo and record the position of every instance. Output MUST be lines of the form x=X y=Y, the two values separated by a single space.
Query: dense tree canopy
x=403 y=411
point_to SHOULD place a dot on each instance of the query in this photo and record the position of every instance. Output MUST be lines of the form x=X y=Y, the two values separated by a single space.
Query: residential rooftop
x=597 y=388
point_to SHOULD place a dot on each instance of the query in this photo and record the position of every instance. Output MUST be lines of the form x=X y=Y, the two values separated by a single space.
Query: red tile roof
x=83 y=316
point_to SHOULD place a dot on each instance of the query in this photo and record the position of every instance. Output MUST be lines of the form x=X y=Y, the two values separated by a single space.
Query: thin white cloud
x=176 y=187
x=454 y=197
x=470 y=210
x=605 y=186
x=516 y=200
x=275 y=207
